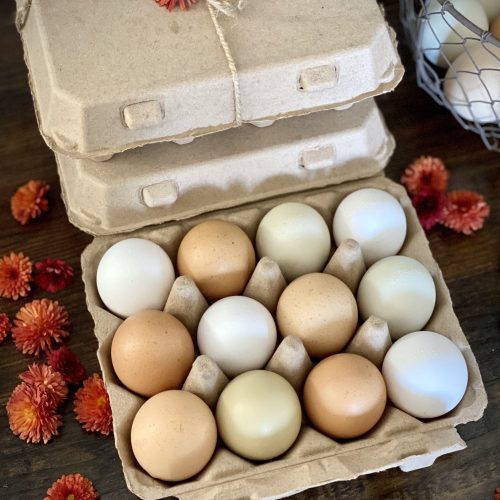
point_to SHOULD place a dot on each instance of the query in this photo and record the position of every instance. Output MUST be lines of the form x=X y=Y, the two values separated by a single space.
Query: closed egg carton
x=163 y=182
x=114 y=75
x=398 y=440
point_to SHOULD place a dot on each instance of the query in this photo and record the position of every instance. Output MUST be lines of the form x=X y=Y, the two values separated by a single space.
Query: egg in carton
x=398 y=440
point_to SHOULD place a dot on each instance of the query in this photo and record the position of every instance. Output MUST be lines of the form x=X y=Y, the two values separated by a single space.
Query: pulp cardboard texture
x=398 y=440
x=166 y=181
x=110 y=75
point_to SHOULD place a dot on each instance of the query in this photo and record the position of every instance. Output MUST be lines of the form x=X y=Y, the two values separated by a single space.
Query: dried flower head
x=430 y=207
x=68 y=364
x=72 y=487
x=39 y=325
x=45 y=378
x=53 y=275
x=29 y=201
x=92 y=407
x=171 y=4
x=425 y=174
x=5 y=326
x=465 y=211
x=15 y=276
x=31 y=416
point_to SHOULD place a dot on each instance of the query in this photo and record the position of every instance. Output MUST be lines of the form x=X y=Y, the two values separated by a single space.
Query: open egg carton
x=398 y=440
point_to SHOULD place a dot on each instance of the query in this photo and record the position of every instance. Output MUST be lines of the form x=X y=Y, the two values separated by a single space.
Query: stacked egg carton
x=116 y=76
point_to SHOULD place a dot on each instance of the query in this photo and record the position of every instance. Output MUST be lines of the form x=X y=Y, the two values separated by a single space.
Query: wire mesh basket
x=458 y=60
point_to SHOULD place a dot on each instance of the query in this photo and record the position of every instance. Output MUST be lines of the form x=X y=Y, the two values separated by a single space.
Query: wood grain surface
x=470 y=266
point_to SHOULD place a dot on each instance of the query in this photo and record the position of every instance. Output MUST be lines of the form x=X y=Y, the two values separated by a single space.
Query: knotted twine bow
x=229 y=8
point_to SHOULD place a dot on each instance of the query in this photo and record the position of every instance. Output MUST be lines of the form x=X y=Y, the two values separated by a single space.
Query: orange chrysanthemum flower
x=72 y=487
x=425 y=174
x=5 y=326
x=29 y=201
x=465 y=211
x=171 y=4
x=44 y=377
x=40 y=325
x=15 y=275
x=92 y=407
x=31 y=416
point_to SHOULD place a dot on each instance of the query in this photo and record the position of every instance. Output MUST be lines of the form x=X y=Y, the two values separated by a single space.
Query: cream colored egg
x=259 y=415
x=295 y=236
x=441 y=34
x=173 y=435
x=399 y=290
x=472 y=84
x=491 y=7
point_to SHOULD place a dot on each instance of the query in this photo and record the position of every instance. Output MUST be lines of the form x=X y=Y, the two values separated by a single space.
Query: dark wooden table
x=469 y=264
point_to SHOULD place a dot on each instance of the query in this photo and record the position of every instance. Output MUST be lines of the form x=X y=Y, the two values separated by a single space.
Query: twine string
x=229 y=8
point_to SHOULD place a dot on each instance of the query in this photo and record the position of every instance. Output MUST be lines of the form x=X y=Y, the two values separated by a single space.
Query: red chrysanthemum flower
x=497 y=493
x=68 y=364
x=92 y=407
x=53 y=275
x=39 y=325
x=72 y=487
x=465 y=211
x=430 y=207
x=5 y=326
x=425 y=174
x=44 y=377
x=15 y=275
x=171 y=4
x=31 y=416
x=29 y=201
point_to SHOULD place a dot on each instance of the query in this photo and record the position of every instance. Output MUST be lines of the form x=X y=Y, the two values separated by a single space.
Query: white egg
x=399 y=290
x=373 y=218
x=296 y=237
x=441 y=35
x=238 y=333
x=425 y=374
x=491 y=7
x=133 y=275
x=472 y=84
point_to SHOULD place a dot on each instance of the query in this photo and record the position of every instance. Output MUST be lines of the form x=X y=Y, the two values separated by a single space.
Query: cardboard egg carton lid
x=110 y=75
x=398 y=440
x=166 y=181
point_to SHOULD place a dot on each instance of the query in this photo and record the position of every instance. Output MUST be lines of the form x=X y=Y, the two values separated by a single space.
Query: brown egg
x=344 y=395
x=151 y=352
x=495 y=27
x=173 y=435
x=320 y=310
x=218 y=256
